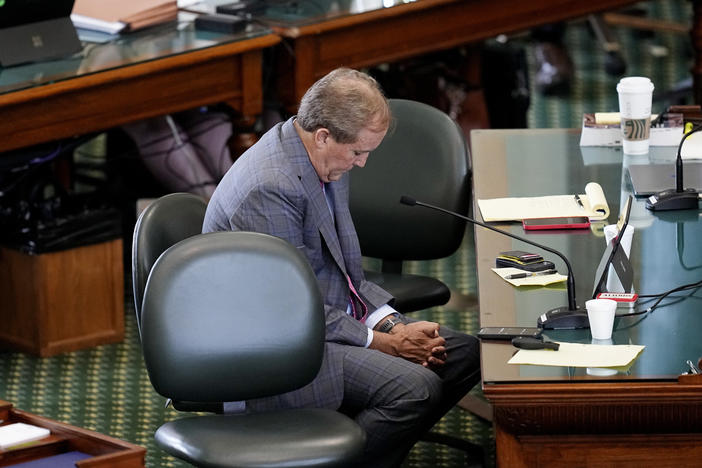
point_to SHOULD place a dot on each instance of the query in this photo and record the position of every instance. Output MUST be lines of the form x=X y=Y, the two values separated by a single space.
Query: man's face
x=334 y=159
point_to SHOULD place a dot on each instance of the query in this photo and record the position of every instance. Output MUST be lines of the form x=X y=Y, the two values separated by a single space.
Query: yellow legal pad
x=535 y=280
x=579 y=355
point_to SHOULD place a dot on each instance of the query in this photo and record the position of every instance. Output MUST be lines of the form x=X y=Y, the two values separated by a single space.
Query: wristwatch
x=388 y=324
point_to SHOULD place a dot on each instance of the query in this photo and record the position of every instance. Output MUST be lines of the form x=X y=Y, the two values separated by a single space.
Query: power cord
x=659 y=298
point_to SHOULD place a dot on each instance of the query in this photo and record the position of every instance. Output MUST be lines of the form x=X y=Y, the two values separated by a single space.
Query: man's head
x=344 y=116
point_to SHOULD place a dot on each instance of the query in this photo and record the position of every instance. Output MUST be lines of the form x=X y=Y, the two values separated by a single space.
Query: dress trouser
x=396 y=401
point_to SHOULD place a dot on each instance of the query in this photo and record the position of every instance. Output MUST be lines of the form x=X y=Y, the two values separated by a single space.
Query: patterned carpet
x=106 y=388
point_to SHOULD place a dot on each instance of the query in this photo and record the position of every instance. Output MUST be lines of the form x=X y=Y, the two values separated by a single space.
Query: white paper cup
x=600 y=313
x=635 y=97
x=613 y=282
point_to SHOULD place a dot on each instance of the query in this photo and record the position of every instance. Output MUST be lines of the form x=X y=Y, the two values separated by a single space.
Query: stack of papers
x=20 y=433
x=113 y=16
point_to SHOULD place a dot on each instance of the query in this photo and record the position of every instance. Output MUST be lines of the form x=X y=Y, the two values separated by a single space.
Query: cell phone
x=507 y=333
x=570 y=222
x=523 y=260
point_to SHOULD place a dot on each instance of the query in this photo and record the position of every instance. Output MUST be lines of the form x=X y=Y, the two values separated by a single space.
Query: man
x=395 y=376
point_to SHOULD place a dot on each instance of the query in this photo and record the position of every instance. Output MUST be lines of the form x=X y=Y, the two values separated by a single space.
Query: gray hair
x=345 y=101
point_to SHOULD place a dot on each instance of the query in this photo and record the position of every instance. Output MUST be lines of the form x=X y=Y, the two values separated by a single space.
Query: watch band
x=388 y=325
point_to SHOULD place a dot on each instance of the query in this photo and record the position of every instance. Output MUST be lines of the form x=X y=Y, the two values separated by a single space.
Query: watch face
x=388 y=325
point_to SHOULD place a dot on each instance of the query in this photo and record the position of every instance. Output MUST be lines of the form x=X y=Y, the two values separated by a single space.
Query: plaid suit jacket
x=273 y=188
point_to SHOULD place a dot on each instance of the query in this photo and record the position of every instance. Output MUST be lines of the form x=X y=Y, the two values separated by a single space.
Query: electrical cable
x=653 y=296
x=694 y=286
x=191 y=157
x=34 y=164
x=646 y=314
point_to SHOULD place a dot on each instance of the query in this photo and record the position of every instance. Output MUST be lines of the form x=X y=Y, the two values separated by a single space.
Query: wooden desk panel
x=409 y=30
x=107 y=452
x=228 y=73
x=623 y=424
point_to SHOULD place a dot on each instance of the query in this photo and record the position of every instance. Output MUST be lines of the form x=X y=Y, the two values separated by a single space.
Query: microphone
x=677 y=198
x=566 y=317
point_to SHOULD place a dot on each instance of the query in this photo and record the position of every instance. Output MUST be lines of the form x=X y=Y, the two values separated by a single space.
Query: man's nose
x=361 y=161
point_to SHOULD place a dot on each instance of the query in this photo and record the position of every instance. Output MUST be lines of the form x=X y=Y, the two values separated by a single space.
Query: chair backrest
x=230 y=316
x=163 y=222
x=425 y=156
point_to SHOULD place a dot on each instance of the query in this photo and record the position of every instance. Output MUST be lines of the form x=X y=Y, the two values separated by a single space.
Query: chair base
x=475 y=453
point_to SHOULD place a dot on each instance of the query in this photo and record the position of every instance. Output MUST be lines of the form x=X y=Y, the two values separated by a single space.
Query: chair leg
x=475 y=452
x=477 y=406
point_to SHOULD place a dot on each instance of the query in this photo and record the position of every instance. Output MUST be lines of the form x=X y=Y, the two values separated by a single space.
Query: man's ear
x=321 y=136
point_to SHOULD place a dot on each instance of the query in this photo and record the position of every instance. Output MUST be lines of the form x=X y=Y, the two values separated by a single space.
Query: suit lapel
x=313 y=188
x=344 y=226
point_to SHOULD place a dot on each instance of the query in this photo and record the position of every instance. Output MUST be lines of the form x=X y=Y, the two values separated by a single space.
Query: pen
x=693 y=367
x=579 y=201
x=530 y=273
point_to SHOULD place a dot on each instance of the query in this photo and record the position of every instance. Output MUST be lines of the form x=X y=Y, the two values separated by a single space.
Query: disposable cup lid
x=635 y=84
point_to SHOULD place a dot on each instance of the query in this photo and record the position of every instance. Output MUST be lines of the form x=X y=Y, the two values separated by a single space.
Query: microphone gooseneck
x=570 y=284
x=678 y=160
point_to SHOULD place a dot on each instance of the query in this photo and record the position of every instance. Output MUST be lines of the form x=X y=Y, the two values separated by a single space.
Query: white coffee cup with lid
x=635 y=98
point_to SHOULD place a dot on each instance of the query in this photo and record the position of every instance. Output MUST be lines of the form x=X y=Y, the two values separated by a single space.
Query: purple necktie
x=358 y=307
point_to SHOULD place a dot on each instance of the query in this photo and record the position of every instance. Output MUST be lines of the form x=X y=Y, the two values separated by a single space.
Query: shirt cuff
x=379 y=314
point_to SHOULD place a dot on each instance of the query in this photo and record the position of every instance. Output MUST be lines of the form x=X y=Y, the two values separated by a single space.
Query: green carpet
x=106 y=388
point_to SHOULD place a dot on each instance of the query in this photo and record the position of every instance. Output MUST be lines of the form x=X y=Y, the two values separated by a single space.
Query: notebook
x=592 y=204
x=648 y=179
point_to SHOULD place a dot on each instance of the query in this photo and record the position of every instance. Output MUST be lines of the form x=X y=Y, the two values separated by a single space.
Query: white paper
x=534 y=280
x=579 y=355
x=692 y=148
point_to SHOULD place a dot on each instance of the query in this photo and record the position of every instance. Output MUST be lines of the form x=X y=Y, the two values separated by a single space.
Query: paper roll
x=597 y=200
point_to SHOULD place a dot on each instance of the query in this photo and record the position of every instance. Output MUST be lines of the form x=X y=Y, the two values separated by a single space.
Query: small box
x=62 y=301
x=225 y=24
x=666 y=131
x=624 y=300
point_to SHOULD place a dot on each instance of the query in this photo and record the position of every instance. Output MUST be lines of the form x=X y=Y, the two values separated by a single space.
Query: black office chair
x=426 y=157
x=163 y=222
x=231 y=316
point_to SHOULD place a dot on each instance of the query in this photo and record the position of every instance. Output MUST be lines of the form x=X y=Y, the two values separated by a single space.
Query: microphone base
x=562 y=318
x=673 y=200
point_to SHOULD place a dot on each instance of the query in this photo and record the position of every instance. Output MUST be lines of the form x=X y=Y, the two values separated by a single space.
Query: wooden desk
x=149 y=73
x=565 y=416
x=105 y=451
x=318 y=44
